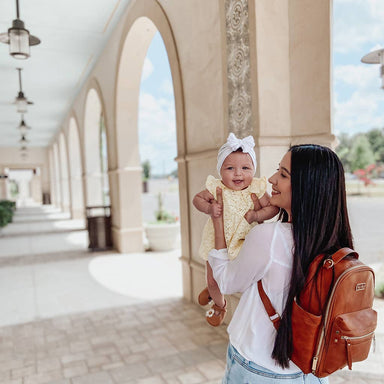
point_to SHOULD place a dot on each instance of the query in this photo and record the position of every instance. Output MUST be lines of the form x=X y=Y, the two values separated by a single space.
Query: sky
x=358 y=100
x=157 y=125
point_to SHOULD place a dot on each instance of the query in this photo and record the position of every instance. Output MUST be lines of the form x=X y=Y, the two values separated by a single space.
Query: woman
x=309 y=189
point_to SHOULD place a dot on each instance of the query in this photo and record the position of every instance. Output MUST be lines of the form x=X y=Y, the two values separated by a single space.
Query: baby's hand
x=215 y=209
x=252 y=215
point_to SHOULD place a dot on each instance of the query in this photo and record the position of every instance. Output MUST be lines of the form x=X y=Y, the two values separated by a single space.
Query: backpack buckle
x=328 y=263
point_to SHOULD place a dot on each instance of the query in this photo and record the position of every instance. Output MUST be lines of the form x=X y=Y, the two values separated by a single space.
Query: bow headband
x=232 y=145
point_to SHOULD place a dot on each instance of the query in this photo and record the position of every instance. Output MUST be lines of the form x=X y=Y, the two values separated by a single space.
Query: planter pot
x=162 y=236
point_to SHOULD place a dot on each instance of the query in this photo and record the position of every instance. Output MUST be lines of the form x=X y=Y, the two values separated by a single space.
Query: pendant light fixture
x=23 y=141
x=24 y=128
x=21 y=101
x=24 y=152
x=18 y=38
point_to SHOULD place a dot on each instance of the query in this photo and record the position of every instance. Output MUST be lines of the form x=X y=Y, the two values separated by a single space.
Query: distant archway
x=52 y=177
x=94 y=155
x=76 y=171
x=57 y=175
x=65 y=198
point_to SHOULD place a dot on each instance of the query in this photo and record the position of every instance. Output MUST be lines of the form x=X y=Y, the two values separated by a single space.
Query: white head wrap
x=232 y=145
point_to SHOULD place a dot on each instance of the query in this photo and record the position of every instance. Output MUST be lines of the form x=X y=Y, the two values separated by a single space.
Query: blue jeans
x=242 y=371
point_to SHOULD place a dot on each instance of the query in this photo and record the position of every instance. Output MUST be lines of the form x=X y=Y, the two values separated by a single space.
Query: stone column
x=127 y=230
x=94 y=187
x=4 y=191
x=35 y=187
x=77 y=207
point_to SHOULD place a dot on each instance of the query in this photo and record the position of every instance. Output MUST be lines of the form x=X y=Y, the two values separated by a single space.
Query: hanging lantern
x=18 y=38
x=21 y=101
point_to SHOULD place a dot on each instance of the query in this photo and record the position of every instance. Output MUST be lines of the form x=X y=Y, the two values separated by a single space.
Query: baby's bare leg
x=213 y=288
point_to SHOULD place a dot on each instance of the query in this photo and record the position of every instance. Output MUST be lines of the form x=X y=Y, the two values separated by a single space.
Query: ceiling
x=73 y=34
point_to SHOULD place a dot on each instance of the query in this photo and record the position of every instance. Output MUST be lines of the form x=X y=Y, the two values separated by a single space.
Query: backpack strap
x=339 y=255
x=273 y=315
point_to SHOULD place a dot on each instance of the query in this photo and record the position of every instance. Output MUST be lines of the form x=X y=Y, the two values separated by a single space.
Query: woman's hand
x=217 y=220
x=216 y=210
x=252 y=215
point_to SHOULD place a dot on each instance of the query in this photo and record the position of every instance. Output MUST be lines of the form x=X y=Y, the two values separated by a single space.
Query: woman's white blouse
x=266 y=254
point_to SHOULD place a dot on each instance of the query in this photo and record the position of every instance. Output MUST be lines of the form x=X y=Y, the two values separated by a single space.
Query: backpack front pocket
x=352 y=333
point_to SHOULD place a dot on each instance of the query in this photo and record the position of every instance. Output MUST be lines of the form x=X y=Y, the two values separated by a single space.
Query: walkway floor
x=70 y=316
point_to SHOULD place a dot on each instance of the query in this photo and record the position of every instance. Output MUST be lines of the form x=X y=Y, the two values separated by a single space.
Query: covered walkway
x=74 y=317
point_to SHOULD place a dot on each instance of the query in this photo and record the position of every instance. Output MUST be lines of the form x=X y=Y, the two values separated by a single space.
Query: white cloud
x=357 y=22
x=157 y=132
x=358 y=99
x=359 y=113
x=361 y=77
x=167 y=87
x=147 y=69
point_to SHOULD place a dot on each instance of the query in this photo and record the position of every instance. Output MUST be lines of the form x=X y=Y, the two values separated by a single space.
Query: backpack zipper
x=326 y=315
x=357 y=337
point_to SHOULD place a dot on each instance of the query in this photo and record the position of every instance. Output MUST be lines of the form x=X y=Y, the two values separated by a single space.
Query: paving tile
x=166 y=364
x=93 y=378
x=151 y=380
x=212 y=369
x=192 y=378
x=74 y=369
x=131 y=371
x=48 y=364
x=23 y=371
x=43 y=378
x=64 y=381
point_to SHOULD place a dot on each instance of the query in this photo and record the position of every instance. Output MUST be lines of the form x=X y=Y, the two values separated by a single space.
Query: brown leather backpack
x=333 y=322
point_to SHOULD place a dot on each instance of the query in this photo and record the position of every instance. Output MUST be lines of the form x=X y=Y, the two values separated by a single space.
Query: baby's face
x=237 y=171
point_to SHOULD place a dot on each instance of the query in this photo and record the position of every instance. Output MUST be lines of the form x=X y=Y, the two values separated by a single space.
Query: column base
x=128 y=240
x=77 y=214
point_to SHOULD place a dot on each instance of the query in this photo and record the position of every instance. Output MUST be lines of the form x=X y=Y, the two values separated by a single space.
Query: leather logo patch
x=360 y=286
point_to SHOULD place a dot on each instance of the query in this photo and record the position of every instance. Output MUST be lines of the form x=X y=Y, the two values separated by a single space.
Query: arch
x=93 y=166
x=145 y=19
x=75 y=170
x=52 y=176
x=65 y=197
x=57 y=180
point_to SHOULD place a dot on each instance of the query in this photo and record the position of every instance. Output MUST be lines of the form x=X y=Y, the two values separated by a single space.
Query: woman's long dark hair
x=320 y=224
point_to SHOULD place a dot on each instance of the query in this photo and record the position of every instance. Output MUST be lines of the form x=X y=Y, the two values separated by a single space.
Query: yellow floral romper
x=236 y=205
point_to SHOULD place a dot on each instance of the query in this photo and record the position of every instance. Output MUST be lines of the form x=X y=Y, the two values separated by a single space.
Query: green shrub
x=161 y=214
x=8 y=204
x=4 y=216
x=7 y=209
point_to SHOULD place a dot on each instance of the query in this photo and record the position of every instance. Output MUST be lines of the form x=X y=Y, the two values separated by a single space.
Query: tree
x=146 y=170
x=376 y=139
x=343 y=149
x=146 y=174
x=361 y=154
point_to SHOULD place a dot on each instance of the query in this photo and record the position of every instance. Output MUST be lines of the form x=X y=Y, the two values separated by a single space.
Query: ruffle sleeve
x=211 y=184
x=258 y=186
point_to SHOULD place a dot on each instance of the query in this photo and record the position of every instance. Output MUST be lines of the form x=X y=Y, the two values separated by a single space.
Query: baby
x=236 y=164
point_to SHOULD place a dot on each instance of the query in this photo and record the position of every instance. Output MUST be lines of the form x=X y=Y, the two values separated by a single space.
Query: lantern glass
x=23 y=129
x=19 y=43
x=21 y=105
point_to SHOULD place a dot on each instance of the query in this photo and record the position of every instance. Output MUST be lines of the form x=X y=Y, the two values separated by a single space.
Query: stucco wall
x=287 y=46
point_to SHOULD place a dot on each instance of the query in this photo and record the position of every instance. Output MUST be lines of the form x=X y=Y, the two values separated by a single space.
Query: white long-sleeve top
x=266 y=254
